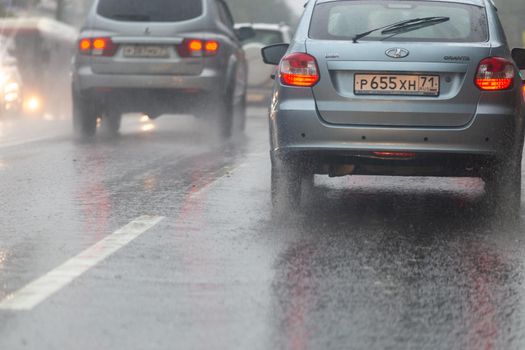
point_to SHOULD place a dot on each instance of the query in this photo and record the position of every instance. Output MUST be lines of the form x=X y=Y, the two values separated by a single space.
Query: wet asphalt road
x=368 y=263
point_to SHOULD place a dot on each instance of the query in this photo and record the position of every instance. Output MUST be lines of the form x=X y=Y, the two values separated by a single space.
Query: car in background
x=43 y=49
x=159 y=57
x=401 y=88
x=260 y=81
x=10 y=80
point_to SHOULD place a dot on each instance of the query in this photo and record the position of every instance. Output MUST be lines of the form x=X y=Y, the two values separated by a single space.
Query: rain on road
x=163 y=239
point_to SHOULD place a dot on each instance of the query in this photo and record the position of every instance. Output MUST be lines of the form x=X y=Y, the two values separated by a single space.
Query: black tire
x=503 y=190
x=240 y=114
x=84 y=117
x=111 y=121
x=286 y=187
x=224 y=116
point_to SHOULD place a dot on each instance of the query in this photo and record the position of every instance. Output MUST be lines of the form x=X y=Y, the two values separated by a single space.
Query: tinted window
x=266 y=37
x=225 y=14
x=150 y=10
x=344 y=19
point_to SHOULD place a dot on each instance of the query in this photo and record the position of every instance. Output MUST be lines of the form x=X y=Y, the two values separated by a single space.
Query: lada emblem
x=397 y=53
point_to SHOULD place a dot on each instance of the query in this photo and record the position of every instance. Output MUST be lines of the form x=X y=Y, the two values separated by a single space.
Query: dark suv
x=158 y=57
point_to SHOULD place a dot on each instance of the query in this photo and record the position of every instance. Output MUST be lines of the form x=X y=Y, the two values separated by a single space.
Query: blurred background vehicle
x=160 y=57
x=260 y=82
x=42 y=49
x=10 y=80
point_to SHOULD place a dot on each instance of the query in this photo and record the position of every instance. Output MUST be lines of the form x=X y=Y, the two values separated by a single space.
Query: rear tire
x=84 y=117
x=223 y=115
x=503 y=190
x=111 y=122
x=240 y=114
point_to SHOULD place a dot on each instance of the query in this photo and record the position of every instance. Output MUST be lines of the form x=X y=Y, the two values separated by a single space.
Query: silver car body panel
x=337 y=103
x=207 y=74
x=330 y=119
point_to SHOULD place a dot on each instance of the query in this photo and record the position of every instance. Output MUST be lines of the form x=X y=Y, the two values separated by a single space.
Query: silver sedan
x=408 y=88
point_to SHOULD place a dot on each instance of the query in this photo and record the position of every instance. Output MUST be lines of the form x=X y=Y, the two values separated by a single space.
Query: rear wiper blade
x=403 y=26
x=130 y=17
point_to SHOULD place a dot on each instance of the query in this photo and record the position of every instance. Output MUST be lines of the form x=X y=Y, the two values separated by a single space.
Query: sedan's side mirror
x=245 y=33
x=273 y=54
x=519 y=57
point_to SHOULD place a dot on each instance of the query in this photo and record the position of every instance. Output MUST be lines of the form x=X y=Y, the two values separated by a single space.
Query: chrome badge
x=397 y=53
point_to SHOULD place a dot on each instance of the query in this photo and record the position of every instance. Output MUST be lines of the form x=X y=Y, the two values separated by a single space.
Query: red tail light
x=198 y=48
x=395 y=154
x=211 y=47
x=299 y=69
x=85 y=46
x=98 y=47
x=494 y=74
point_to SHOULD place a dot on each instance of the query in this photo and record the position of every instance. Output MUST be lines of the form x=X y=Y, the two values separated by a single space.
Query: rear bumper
x=84 y=79
x=297 y=132
x=151 y=94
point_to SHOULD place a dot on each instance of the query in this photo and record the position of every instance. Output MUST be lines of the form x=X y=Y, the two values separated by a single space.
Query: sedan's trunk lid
x=339 y=101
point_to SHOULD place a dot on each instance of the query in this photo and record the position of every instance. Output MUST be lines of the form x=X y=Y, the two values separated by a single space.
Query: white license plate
x=146 y=51
x=396 y=84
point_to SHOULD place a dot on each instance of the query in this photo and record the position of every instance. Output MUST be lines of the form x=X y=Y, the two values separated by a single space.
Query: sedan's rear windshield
x=150 y=10
x=343 y=20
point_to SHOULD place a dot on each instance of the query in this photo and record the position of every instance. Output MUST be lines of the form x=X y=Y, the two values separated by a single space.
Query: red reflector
x=495 y=73
x=299 y=69
x=395 y=154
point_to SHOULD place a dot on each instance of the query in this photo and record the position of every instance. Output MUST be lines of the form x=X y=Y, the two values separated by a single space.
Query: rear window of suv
x=150 y=10
x=342 y=20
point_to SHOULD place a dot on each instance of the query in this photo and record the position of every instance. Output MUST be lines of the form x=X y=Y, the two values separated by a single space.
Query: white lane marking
x=36 y=292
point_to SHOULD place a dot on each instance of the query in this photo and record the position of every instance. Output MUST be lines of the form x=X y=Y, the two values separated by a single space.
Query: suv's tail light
x=299 y=69
x=495 y=73
x=97 y=47
x=198 y=48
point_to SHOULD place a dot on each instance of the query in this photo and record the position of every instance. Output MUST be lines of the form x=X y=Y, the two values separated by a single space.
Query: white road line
x=36 y=292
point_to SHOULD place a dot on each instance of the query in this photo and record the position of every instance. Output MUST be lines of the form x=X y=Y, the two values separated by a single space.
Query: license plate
x=146 y=51
x=396 y=84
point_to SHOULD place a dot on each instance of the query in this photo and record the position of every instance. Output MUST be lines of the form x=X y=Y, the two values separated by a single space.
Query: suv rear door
x=147 y=35
x=449 y=51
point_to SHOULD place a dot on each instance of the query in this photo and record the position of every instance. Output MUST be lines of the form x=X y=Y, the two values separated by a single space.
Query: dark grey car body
x=329 y=129
x=170 y=84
